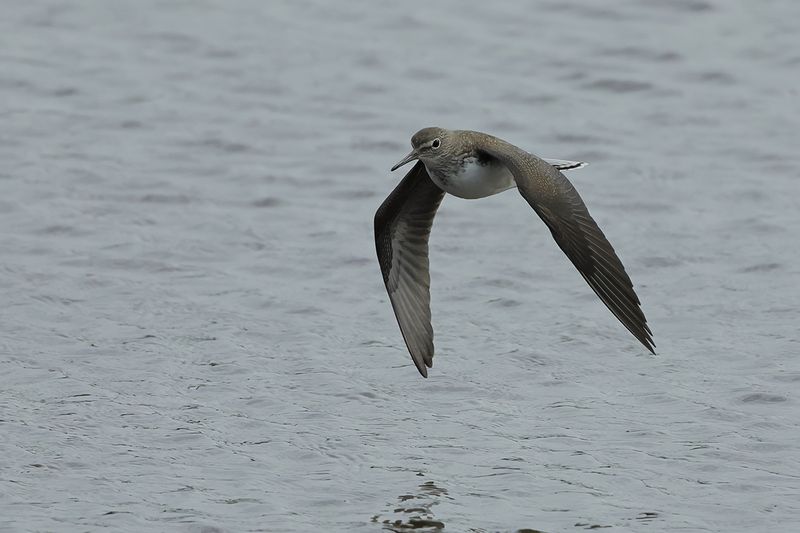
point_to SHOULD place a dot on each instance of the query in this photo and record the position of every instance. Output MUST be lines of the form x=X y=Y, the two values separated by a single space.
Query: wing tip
x=646 y=338
x=650 y=345
x=423 y=362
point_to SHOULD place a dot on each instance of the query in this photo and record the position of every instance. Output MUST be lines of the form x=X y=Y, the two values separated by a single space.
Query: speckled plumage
x=471 y=164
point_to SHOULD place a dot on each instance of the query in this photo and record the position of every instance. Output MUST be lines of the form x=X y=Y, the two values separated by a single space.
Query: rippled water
x=195 y=334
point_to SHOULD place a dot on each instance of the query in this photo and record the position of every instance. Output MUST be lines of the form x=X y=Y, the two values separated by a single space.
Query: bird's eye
x=436 y=143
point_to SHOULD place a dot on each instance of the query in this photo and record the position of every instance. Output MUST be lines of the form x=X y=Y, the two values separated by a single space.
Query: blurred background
x=195 y=335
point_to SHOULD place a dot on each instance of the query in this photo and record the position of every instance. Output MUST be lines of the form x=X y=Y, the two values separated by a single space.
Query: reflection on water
x=415 y=511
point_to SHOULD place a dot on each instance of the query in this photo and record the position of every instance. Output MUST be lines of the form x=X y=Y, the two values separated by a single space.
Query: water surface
x=195 y=335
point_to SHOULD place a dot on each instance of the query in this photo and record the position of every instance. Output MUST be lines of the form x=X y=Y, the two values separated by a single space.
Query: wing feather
x=561 y=208
x=402 y=227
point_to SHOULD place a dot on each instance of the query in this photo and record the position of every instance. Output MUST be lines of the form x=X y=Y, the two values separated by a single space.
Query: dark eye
x=436 y=144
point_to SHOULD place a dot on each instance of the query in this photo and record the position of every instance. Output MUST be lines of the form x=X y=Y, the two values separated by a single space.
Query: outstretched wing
x=557 y=202
x=402 y=226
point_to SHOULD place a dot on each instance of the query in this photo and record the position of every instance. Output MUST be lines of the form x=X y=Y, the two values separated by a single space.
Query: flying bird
x=471 y=164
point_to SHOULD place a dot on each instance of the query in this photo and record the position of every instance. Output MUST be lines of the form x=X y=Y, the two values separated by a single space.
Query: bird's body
x=473 y=177
x=473 y=165
x=471 y=174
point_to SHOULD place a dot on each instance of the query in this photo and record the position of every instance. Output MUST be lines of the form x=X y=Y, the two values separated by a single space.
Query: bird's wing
x=557 y=202
x=565 y=164
x=402 y=226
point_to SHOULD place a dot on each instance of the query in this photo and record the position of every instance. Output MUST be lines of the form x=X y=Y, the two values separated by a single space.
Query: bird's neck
x=453 y=165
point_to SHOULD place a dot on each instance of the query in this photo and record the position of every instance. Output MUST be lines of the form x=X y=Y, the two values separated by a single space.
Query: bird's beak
x=407 y=159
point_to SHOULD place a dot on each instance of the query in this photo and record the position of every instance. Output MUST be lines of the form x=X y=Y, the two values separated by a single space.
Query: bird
x=472 y=165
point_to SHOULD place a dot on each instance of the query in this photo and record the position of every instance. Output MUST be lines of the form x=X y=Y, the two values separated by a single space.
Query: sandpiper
x=470 y=164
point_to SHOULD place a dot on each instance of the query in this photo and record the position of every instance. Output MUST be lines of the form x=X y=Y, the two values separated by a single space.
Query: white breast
x=475 y=180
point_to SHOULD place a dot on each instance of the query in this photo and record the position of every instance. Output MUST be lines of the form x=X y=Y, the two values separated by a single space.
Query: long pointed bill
x=407 y=159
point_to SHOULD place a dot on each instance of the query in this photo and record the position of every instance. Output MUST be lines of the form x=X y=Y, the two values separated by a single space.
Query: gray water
x=195 y=332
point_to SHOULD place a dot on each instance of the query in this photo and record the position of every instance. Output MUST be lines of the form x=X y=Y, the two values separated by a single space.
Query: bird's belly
x=476 y=180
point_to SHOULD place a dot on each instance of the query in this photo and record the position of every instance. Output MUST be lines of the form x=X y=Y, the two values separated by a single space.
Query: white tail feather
x=564 y=164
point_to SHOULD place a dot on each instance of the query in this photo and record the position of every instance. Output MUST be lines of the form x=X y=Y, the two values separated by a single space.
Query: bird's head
x=428 y=145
